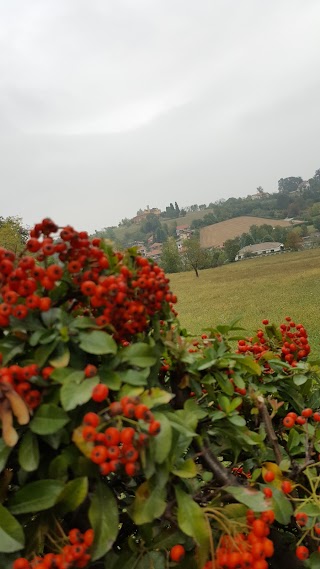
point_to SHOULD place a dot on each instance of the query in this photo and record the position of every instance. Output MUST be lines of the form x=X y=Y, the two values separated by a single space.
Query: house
x=141 y=215
x=183 y=230
x=155 y=251
x=266 y=248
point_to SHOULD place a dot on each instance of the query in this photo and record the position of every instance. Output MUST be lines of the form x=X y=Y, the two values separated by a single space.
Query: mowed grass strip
x=270 y=287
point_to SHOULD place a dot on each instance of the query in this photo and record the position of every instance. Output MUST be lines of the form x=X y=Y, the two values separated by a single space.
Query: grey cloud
x=107 y=106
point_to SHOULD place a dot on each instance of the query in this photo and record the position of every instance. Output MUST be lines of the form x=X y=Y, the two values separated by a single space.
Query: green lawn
x=271 y=287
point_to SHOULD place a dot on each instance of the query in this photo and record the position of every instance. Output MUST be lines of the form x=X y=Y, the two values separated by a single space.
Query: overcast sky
x=107 y=106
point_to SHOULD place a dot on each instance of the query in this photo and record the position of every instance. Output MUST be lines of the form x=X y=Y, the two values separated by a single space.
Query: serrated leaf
x=29 y=455
x=48 y=419
x=11 y=533
x=72 y=496
x=104 y=520
x=73 y=394
x=97 y=342
x=35 y=497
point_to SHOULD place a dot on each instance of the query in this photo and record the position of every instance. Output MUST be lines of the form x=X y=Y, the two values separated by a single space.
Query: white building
x=259 y=249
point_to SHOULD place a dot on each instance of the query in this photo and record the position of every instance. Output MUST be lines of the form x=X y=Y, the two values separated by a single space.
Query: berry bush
x=128 y=443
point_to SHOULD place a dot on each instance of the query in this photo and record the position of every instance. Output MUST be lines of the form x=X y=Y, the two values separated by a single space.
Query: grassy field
x=270 y=287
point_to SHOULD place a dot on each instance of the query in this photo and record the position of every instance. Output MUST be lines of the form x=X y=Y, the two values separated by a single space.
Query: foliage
x=170 y=258
x=12 y=234
x=123 y=436
x=194 y=255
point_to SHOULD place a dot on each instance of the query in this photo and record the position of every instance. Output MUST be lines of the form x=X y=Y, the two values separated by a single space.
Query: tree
x=288 y=185
x=231 y=248
x=12 y=234
x=128 y=442
x=316 y=222
x=293 y=241
x=194 y=255
x=170 y=257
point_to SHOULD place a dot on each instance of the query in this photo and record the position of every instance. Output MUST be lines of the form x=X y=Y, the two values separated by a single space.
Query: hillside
x=215 y=235
x=268 y=287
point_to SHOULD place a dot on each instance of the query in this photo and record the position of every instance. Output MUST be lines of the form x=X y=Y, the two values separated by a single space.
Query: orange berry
x=177 y=553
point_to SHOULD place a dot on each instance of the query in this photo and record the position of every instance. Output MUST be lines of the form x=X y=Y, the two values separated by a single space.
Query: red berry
x=301 y=518
x=91 y=419
x=267 y=492
x=300 y=420
x=268 y=476
x=100 y=392
x=90 y=370
x=154 y=428
x=21 y=563
x=286 y=487
x=307 y=412
x=302 y=552
x=177 y=553
x=288 y=422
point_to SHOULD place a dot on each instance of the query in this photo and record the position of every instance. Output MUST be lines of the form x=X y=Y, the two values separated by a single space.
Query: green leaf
x=48 y=419
x=191 y=406
x=104 y=520
x=281 y=506
x=10 y=347
x=63 y=374
x=155 y=396
x=97 y=342
x=134 y=377
x=237 y=420
x=58 y=468
x=29 y=455
x=83 y=322
x=140 y=355
x=251 y=498
x=11 y=533
x=180 y=425
x=35 y=497
x=61 y=356
x=149 y=503
x=42 y=353
x=110 y=378
x=299 y=379
x=162 y=442
x=72 y=496
x=216 y=416
x=4 y=454
x=311 y=509
x=73 y=394
x=192 y=521
x=185 y=469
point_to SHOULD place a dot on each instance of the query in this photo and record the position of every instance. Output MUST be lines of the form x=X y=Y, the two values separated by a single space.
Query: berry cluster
x=291 y=419
x=246 y=550
x=121 y=293
x=74 y=555
x=290 y=342
x=117 y=449
x=19 y=378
